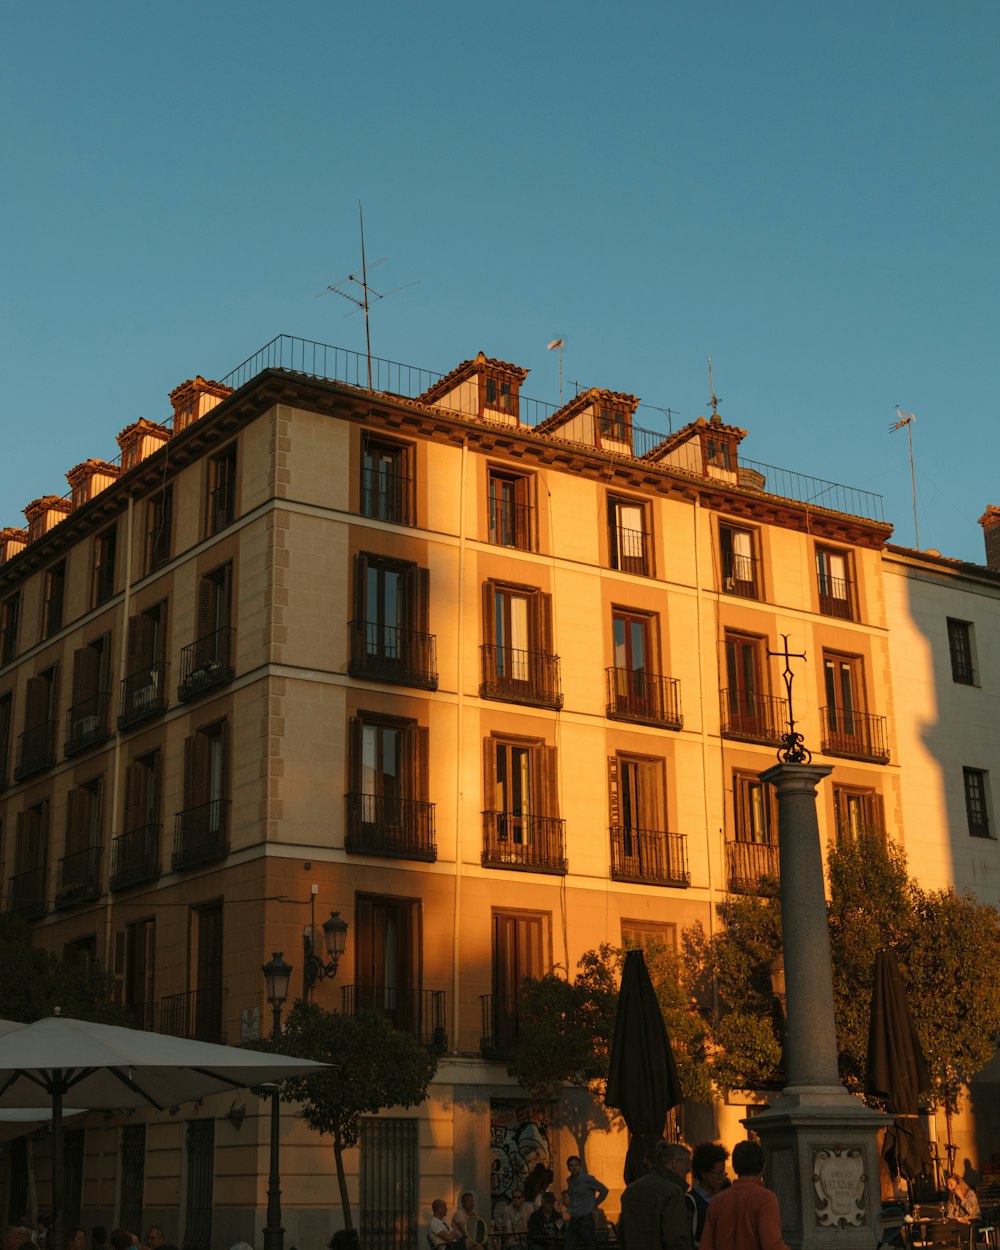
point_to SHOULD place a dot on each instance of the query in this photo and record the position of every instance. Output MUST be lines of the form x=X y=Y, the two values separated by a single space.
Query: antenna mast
x=714 y=401
x=557 y=345
x=907 y=419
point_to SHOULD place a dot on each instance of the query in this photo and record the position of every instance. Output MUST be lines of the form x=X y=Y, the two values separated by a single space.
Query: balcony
x=36 y=750
x=836 y=598
x=206 y=663
x=201 y=835
x=649 y=857
x=752 y=868
x=135 y=857
x=26 y=894
x=752 y=717
x=419 y=1012
x=78 y=877
x=524 y=843
x=196 y=1015
x=739 y=575
x=635 y=695
x=515 y=676
x=404 y=657
x=856 y=735
x=630 y=551
x=500 y=1026
x=398 y=828
x=87 y=723
x=143 y=694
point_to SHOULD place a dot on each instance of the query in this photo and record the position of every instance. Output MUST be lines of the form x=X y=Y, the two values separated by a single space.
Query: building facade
x=492 y=679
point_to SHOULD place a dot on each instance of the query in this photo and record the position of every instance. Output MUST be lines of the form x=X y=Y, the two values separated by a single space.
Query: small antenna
x=714 y=401
x=907 y=419
x=557 y=345
x=368 y=291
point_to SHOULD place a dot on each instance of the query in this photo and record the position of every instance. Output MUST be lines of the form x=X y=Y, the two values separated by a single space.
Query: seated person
x=962 y=1201
x=546 y=1224
x=439 y=1231
x=468 y=1223
x=514 y=1221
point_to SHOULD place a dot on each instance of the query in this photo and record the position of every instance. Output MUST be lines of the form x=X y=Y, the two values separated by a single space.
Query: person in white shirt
x=439 y=1231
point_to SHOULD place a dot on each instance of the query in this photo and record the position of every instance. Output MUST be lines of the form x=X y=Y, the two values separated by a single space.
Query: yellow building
x=491 y=679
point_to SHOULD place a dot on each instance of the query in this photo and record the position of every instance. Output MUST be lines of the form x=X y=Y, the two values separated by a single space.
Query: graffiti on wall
x=519 y=1146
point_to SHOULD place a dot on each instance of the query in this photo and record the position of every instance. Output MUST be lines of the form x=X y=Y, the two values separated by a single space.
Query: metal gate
x=389 y=1184
x=133 y=1149
x=200 y=1176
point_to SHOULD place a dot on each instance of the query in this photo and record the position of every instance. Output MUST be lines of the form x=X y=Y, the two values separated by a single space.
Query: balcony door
x=743 y=680
x=386 y=956
x=511 y=634
x=382 y=781
x=208 y=973
x=637 y=797
x=631 y=644
x=384 y=611
x=520 y=943
x=844 y=695
x=514 y=798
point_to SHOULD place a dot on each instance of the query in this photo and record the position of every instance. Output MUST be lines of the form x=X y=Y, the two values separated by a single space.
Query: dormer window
x=499 y=393
x=615 y=424
x=720 y=452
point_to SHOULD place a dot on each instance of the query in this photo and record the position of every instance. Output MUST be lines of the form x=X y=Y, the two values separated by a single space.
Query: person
x=75 y=1239
x=468 y=1223
x=99 y=1237
x=586 y=1193
x=439 y=1231
x=545 y=1224
x=962 y=1201
x=514 y=1221
x=708 y=1176
x=14 y=1236
x=655 y=1214
x=155 y=1239
x=122 y=1239
x=745 y=1216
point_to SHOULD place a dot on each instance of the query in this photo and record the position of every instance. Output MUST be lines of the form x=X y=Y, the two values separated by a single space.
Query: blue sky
x=807 y=192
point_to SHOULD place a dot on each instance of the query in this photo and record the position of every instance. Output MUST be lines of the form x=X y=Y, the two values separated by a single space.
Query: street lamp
x=334 y=941
x=276 y=977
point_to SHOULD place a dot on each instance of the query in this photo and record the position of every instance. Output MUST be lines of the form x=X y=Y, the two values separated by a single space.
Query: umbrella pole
x=57 y=1158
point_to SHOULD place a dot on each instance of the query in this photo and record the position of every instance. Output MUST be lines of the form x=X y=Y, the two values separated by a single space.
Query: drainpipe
x=459 y=753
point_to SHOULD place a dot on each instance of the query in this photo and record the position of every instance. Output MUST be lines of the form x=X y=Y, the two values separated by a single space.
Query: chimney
x=89 y=479
x=43 y=513
x=139 y=440
x=990 y=521
x=192 y=399
x=12 y=541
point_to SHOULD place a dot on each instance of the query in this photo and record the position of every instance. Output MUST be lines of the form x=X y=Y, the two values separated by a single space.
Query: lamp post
x=276 y=977
x=334 y=941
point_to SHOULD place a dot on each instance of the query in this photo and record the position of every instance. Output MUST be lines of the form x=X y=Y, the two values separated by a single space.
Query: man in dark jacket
x=655 y=1214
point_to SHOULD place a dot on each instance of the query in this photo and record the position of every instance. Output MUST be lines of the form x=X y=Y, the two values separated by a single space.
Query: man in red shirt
x=745 y=1216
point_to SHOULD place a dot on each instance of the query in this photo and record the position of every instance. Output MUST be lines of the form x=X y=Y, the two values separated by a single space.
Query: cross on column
x=793 y=749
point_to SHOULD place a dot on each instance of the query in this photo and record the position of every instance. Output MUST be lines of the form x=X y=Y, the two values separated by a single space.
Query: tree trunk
x=345 y=1202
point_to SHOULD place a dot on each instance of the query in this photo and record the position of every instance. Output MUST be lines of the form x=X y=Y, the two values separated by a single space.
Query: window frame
x=158 y=541
x=636 y=565
x=961 y=651
x=400 y=510
x=505 y=397
x=54 y=599
x=10 y=617
x=745 y=782
x=846 y=609
x=979 y=824
x=731 y=582
x=857 y=809
x=522 y=506
x=220 y=490
x=105 y=557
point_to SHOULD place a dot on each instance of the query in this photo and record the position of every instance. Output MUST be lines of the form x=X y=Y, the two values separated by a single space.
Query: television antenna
x=907 y=419
x=368 y=292
x=557 y=345
x=714 y=401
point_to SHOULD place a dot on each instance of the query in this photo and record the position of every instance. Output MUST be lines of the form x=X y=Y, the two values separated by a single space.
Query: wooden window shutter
x=878 y=813
x=614 y=793
x=355 y=734
x=489 y=612
x=136 y=796
x=489 y=774
x=652 y=805
x=37 y=700
x=222 y=737
x=543 y=622
x=78 y=820
x=549 y=780
x=26 y=841
x=140 y=642
x=224 y=583
x=364 y=949
x=419 y=586
x=86 y=674
x=421 y=764
x=363 y=610
x=197 y=770
x=118 y=965
x=146 y=948
x=205 y=624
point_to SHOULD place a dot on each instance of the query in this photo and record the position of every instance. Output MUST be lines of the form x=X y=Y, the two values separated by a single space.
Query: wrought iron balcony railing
x=511 y=524
x=637 y=695
x=36 y=750
x=630 y=550
x=516 y=676
x=524 y=842
x=143 y=694
x=206 y=663
x=78 y=877
x=201 y=835
x=739 y=575
x=386 y=496
x=87 y=723
x=836 y=597
x=420 y=1012
x=135 y=857
x=649 y=856
x=858 y=735
x=752 y=868
x=753 y=717
x=404 y=657
x=500 y=1025
x=26 y=894
x=382 y=825
x=196 y=1015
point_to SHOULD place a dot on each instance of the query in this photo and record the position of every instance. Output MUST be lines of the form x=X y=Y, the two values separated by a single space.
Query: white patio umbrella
x=106 y=1066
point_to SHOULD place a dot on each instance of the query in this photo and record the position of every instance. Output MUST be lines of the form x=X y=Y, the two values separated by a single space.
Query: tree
x=33 y=981
x=376 y=1066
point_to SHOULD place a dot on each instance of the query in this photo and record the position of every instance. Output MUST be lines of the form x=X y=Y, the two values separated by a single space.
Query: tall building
x=490 y=678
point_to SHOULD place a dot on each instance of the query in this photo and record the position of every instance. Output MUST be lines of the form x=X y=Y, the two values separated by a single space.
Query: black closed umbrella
x=897 y=1071
x=642 y=1078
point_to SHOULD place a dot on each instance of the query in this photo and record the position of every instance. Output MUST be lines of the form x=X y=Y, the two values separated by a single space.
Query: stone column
x=822 y=1151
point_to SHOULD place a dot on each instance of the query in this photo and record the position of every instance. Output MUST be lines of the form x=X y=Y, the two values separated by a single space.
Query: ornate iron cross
x=793 y=749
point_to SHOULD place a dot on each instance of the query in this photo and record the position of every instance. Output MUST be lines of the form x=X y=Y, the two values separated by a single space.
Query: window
x=719 y=450
x=208 y=661
x=389 y=638
x=134 y=954
x=6 y=735
x=36 y=747
x=144 y=688
x=635 y=692
x=206 y=1019
x=521 y=825
x=498 y=393
x=834 y=579
x=87 y=719
x=639 y=934
x=10 y=612
x=510 y=510
x=133 y=1174
x=389 y=1183
x=614 y=424
x=849 y=729
x=135 y=855
x=79 y=870
x=200 y=1150
x=977 y=808
x=859 y=811
x=748 y=712
x=520 y=949
x=754 y=816
x=52 y=608
x=26 y=888
x=159 y=519
x=104 y=566
x=739 y=563
x=387 y=960
x=517 y=661
x=628 y=536
x=386 y=482
x=960 y=648
x=201 y=833
x=641 y=848
x=387 y=808
x=221 y=490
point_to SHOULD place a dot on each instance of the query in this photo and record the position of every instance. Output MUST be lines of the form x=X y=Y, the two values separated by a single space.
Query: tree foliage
x=33 y=981
x=374 y=1066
